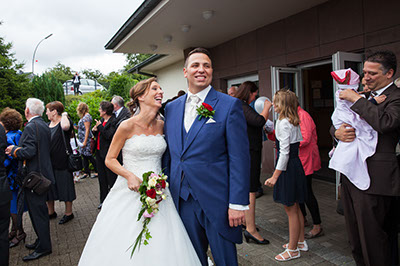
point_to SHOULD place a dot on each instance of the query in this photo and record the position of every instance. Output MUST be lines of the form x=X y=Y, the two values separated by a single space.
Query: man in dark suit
x=76 y=80
x=121 y=112
x=5 y=198
x=369 y=213
x=34 y=148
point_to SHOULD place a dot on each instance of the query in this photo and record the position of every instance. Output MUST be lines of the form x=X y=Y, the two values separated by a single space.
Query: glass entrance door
x=287 y=78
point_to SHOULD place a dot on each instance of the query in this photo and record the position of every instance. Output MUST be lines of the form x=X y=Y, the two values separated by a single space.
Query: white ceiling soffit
x=231 y=18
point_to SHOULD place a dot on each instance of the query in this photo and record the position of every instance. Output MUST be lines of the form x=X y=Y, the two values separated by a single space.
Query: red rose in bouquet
x=163 y=183
x=151 y=193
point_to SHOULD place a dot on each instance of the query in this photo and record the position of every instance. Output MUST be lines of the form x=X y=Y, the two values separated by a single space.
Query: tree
x=93 y=74
x=61 y=72
x=134 y=59
x=14 y=85
x=106 y=79
x=47 y=88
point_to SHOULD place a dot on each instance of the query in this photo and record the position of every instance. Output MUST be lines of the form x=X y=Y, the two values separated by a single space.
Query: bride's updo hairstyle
x=136 y=91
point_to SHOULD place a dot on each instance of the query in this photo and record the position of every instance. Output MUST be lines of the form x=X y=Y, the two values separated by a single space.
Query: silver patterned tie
x=191 y=114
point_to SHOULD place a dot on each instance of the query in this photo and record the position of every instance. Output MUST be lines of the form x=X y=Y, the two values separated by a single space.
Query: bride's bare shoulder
x=127 y=125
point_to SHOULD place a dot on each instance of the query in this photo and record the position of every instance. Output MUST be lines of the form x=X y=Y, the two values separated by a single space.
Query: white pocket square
x=210 y=120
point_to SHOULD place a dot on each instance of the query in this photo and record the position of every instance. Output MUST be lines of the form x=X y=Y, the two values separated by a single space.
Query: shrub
x=92 y=99
x=47 y=88
x=120 y=85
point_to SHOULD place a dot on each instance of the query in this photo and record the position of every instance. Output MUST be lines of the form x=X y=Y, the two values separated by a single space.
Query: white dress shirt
x=190 y=114
x=379 y=92
x=117 y=112
x=287 y=134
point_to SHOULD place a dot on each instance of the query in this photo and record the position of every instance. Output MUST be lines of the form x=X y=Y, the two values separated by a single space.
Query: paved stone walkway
x=331 y=249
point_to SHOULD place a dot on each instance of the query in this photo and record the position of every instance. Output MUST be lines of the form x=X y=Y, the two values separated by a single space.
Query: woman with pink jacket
x=309 y=157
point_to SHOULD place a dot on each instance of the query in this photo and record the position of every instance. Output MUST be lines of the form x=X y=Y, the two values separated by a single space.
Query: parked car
x=87 y=85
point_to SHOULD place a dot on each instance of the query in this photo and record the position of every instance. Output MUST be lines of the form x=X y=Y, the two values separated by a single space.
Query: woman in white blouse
x=288 y=179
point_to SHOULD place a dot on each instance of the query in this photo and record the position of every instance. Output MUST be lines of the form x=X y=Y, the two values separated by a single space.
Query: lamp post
x=34 y=53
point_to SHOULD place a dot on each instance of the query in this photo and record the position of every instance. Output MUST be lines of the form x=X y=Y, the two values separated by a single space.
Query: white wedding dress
x=116 y=227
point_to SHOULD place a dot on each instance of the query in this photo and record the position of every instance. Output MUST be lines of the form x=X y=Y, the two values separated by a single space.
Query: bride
x=142 y=143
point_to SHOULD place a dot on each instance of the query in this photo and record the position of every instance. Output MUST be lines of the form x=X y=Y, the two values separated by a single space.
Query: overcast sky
x=80 y=31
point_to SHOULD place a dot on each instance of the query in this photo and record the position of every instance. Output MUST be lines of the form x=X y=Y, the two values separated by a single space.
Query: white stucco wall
x=171 y=79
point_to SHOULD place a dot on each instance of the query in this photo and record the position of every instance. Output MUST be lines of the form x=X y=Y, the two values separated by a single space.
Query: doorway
x=318 y=101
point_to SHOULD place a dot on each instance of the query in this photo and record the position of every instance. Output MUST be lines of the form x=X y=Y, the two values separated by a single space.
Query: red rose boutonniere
x=205 y=110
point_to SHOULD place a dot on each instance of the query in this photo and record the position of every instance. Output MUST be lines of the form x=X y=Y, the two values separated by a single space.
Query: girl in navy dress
x=288 y=178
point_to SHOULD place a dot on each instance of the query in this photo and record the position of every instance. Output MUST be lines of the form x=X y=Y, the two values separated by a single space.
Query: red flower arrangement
x=205 y=110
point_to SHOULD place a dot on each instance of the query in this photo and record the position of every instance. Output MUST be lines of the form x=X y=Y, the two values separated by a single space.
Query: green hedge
x=92 y=99
x=121 y=85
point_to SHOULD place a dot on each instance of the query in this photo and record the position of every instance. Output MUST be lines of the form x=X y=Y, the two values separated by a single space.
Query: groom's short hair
x=198 y=50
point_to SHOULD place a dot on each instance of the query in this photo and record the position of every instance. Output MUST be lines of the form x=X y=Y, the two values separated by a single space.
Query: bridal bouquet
x=152 y=192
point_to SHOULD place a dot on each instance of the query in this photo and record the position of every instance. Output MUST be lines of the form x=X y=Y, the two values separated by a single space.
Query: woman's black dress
x=64 y=187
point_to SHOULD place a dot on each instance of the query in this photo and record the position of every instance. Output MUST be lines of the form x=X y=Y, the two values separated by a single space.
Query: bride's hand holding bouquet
x=134 y=182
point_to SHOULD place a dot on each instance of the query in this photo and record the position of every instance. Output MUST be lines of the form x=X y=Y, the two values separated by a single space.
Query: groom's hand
x=236 y=217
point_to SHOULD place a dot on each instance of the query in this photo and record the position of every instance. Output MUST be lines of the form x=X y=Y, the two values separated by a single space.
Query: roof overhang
x=156 y=26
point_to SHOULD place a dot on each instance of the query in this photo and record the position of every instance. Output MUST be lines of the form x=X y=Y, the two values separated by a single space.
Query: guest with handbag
x=12 y=122
x=104 y=131
x=85 y=137
x=34 y=148
x=61 y=128
x=5 y=198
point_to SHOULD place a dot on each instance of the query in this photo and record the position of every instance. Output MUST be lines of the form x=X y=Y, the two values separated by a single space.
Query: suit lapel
x=212 y=100
x=180 y=111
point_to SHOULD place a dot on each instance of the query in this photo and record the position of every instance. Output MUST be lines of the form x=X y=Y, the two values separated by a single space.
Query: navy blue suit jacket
x=214 y=158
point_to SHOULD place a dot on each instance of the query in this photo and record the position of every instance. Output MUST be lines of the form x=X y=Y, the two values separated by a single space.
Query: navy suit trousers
x=202 y=233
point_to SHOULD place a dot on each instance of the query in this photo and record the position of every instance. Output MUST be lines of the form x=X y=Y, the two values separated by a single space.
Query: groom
x=208 y=163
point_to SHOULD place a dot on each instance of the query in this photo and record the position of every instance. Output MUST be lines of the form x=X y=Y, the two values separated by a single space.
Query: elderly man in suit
x=121 y=112
x=369 y=213
x=208 y=162
x=5 y=198
x=34 y=148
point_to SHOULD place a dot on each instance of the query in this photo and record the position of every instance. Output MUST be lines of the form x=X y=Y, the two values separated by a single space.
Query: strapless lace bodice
x=143 y=153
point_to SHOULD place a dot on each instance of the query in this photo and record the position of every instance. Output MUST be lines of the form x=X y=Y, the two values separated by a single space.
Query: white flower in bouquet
x=152 y=182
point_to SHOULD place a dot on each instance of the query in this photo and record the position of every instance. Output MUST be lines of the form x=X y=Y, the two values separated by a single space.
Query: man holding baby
x=371 y=215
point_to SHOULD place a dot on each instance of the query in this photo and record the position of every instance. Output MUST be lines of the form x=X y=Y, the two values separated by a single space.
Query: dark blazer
x=123 y=115
x=5 y=192
x=383 y=168
x=79 y=79
x=106 y=134
x=255 y=123
x=28 y=148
